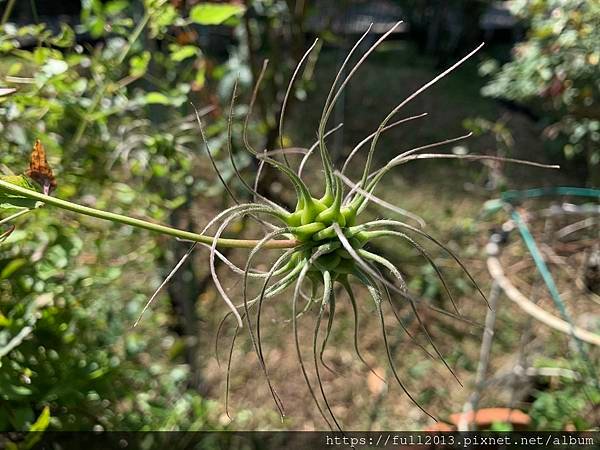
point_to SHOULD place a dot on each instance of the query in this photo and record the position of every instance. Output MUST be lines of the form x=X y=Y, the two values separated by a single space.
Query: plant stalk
x=139 y=223
x=9 y=7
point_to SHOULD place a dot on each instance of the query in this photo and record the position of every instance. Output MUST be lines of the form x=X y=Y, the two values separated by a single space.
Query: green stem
x=138 y=223
x=14 y=216
x=7 y=11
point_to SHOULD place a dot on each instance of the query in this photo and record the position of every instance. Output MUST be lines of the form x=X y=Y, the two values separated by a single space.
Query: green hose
x=509 y=197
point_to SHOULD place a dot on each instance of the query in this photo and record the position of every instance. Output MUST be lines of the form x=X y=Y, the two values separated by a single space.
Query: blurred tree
x=555 y=71
x=445 y=27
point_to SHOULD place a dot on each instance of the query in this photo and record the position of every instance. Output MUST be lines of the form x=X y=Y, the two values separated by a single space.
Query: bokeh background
x=106 y=86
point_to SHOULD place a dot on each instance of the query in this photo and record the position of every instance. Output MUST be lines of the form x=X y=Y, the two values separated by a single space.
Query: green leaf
x=36 y=429
x=180 y=53
x=501 y=426
x=66 y=37
x=5 y=322
x=214 y=13
x=12 y=267
x=42 y=421
x=55 y=67
x=138 y=64
x=9 y=200
x=156 y=98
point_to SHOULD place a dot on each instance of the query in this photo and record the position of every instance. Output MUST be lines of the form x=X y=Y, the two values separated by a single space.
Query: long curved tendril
x=302 y=190
x=361 y=144
x=327 y=292
x=313 y=147
x=328 y=107
x=297 y=343
x=376 y=295
x=408 y=99
x=393 y=366
x=228 y=374
x=224 y=296
x=327 y=111
x=354 y=188
x=413 y=305
x=263 y=365
x=271 y=291
x=395 y=223
x=352 y=298
x=412 y=338
x=360 y=261
x=328 y=300
x=211 y=157
x=245 y=184
x=257 y=84
x=184 y=258
x=377 y=175
x=287 y=95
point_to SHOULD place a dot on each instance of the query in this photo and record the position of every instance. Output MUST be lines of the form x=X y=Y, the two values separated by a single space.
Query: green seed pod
x=331 y=215
x=349 y=214
x=294 y=219
x=306 y=232
x=327 y=233
x=311 y=210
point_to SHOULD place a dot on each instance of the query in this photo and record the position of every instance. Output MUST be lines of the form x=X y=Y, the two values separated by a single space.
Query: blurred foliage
x=555 y=71
x=70 y=289
x=444 y=28
x=566 y=404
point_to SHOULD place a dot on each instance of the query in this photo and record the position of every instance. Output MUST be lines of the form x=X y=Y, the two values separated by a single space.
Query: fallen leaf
x=376 y=385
